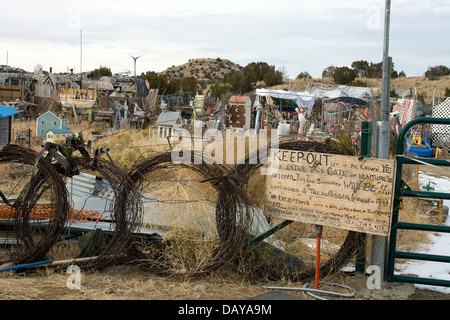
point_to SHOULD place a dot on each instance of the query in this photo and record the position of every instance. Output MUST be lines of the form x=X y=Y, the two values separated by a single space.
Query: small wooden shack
x=6 y=115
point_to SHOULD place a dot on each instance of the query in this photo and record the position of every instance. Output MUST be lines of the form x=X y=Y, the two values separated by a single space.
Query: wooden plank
x=331 y=190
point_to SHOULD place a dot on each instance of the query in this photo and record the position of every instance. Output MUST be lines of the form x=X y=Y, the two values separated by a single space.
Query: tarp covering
x=341 y=91
x=350 y=100
x=300 y=97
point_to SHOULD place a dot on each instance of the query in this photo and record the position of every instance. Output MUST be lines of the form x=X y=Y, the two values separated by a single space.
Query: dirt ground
x=129 y=282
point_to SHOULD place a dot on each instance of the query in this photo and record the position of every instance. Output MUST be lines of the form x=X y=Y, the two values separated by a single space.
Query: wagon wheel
x=33 y=207
x=348 y=241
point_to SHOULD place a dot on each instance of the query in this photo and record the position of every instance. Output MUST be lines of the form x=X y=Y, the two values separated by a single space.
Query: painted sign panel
x=346 y=192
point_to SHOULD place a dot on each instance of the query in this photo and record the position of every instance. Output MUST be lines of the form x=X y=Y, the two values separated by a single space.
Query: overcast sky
x=295 y=35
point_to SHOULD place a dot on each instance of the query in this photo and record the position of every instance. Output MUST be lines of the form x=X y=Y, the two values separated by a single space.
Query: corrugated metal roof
x=168 y=118
x=90 y=193
x=7 y=111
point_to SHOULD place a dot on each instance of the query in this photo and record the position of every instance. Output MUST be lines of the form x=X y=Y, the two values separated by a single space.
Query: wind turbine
x=135 y=58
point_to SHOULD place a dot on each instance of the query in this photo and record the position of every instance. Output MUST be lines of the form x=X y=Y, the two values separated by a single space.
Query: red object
x=317 y=263
x=318 y=236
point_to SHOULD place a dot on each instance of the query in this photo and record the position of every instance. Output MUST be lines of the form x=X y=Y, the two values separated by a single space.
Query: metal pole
x=378 y=251
x=81 y=58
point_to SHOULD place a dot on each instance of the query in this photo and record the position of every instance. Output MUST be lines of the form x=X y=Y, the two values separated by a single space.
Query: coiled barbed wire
x=35 y=240
x=232 y=213
x=36 y=237
x=233 y=209
x=125 y=208
x=353 y=240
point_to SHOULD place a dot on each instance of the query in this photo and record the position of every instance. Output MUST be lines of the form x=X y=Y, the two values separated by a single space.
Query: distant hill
x=202 y=69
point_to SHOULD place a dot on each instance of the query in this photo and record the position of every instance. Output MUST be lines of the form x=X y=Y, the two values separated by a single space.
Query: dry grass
x=125 y=282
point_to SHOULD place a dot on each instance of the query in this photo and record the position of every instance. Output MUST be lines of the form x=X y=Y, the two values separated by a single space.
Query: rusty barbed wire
x=232 y=216
x=45 y=185
x=352 y=242
x=126 y=208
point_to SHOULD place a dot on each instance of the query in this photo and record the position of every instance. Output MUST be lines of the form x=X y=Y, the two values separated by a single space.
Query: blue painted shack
x=6 y=116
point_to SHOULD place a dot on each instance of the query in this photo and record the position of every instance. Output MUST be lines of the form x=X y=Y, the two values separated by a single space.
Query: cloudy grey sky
x=296 y=35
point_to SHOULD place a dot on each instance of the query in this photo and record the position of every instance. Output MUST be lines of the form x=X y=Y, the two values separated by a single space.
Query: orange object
x=42 y=212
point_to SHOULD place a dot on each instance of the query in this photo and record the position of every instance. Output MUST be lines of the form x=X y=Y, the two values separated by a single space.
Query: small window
x=54 y=123
x=42 y=122
x=42 y=131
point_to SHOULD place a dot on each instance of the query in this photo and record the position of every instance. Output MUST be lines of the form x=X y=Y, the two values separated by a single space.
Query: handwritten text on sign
x=331 y=190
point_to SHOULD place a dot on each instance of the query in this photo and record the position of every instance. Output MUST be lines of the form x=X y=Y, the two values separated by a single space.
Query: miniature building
x=168 y=122
x=240 y=112
x=49 y=121
x=58 y=135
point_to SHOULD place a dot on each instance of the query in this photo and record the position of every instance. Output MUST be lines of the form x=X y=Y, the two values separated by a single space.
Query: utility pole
x=378 y=251
x=81 y=57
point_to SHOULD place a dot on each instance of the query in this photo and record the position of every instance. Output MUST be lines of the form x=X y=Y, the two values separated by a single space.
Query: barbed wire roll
x=34 y=203
x=353 y=240
x=206 y=193
x=124 y=211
